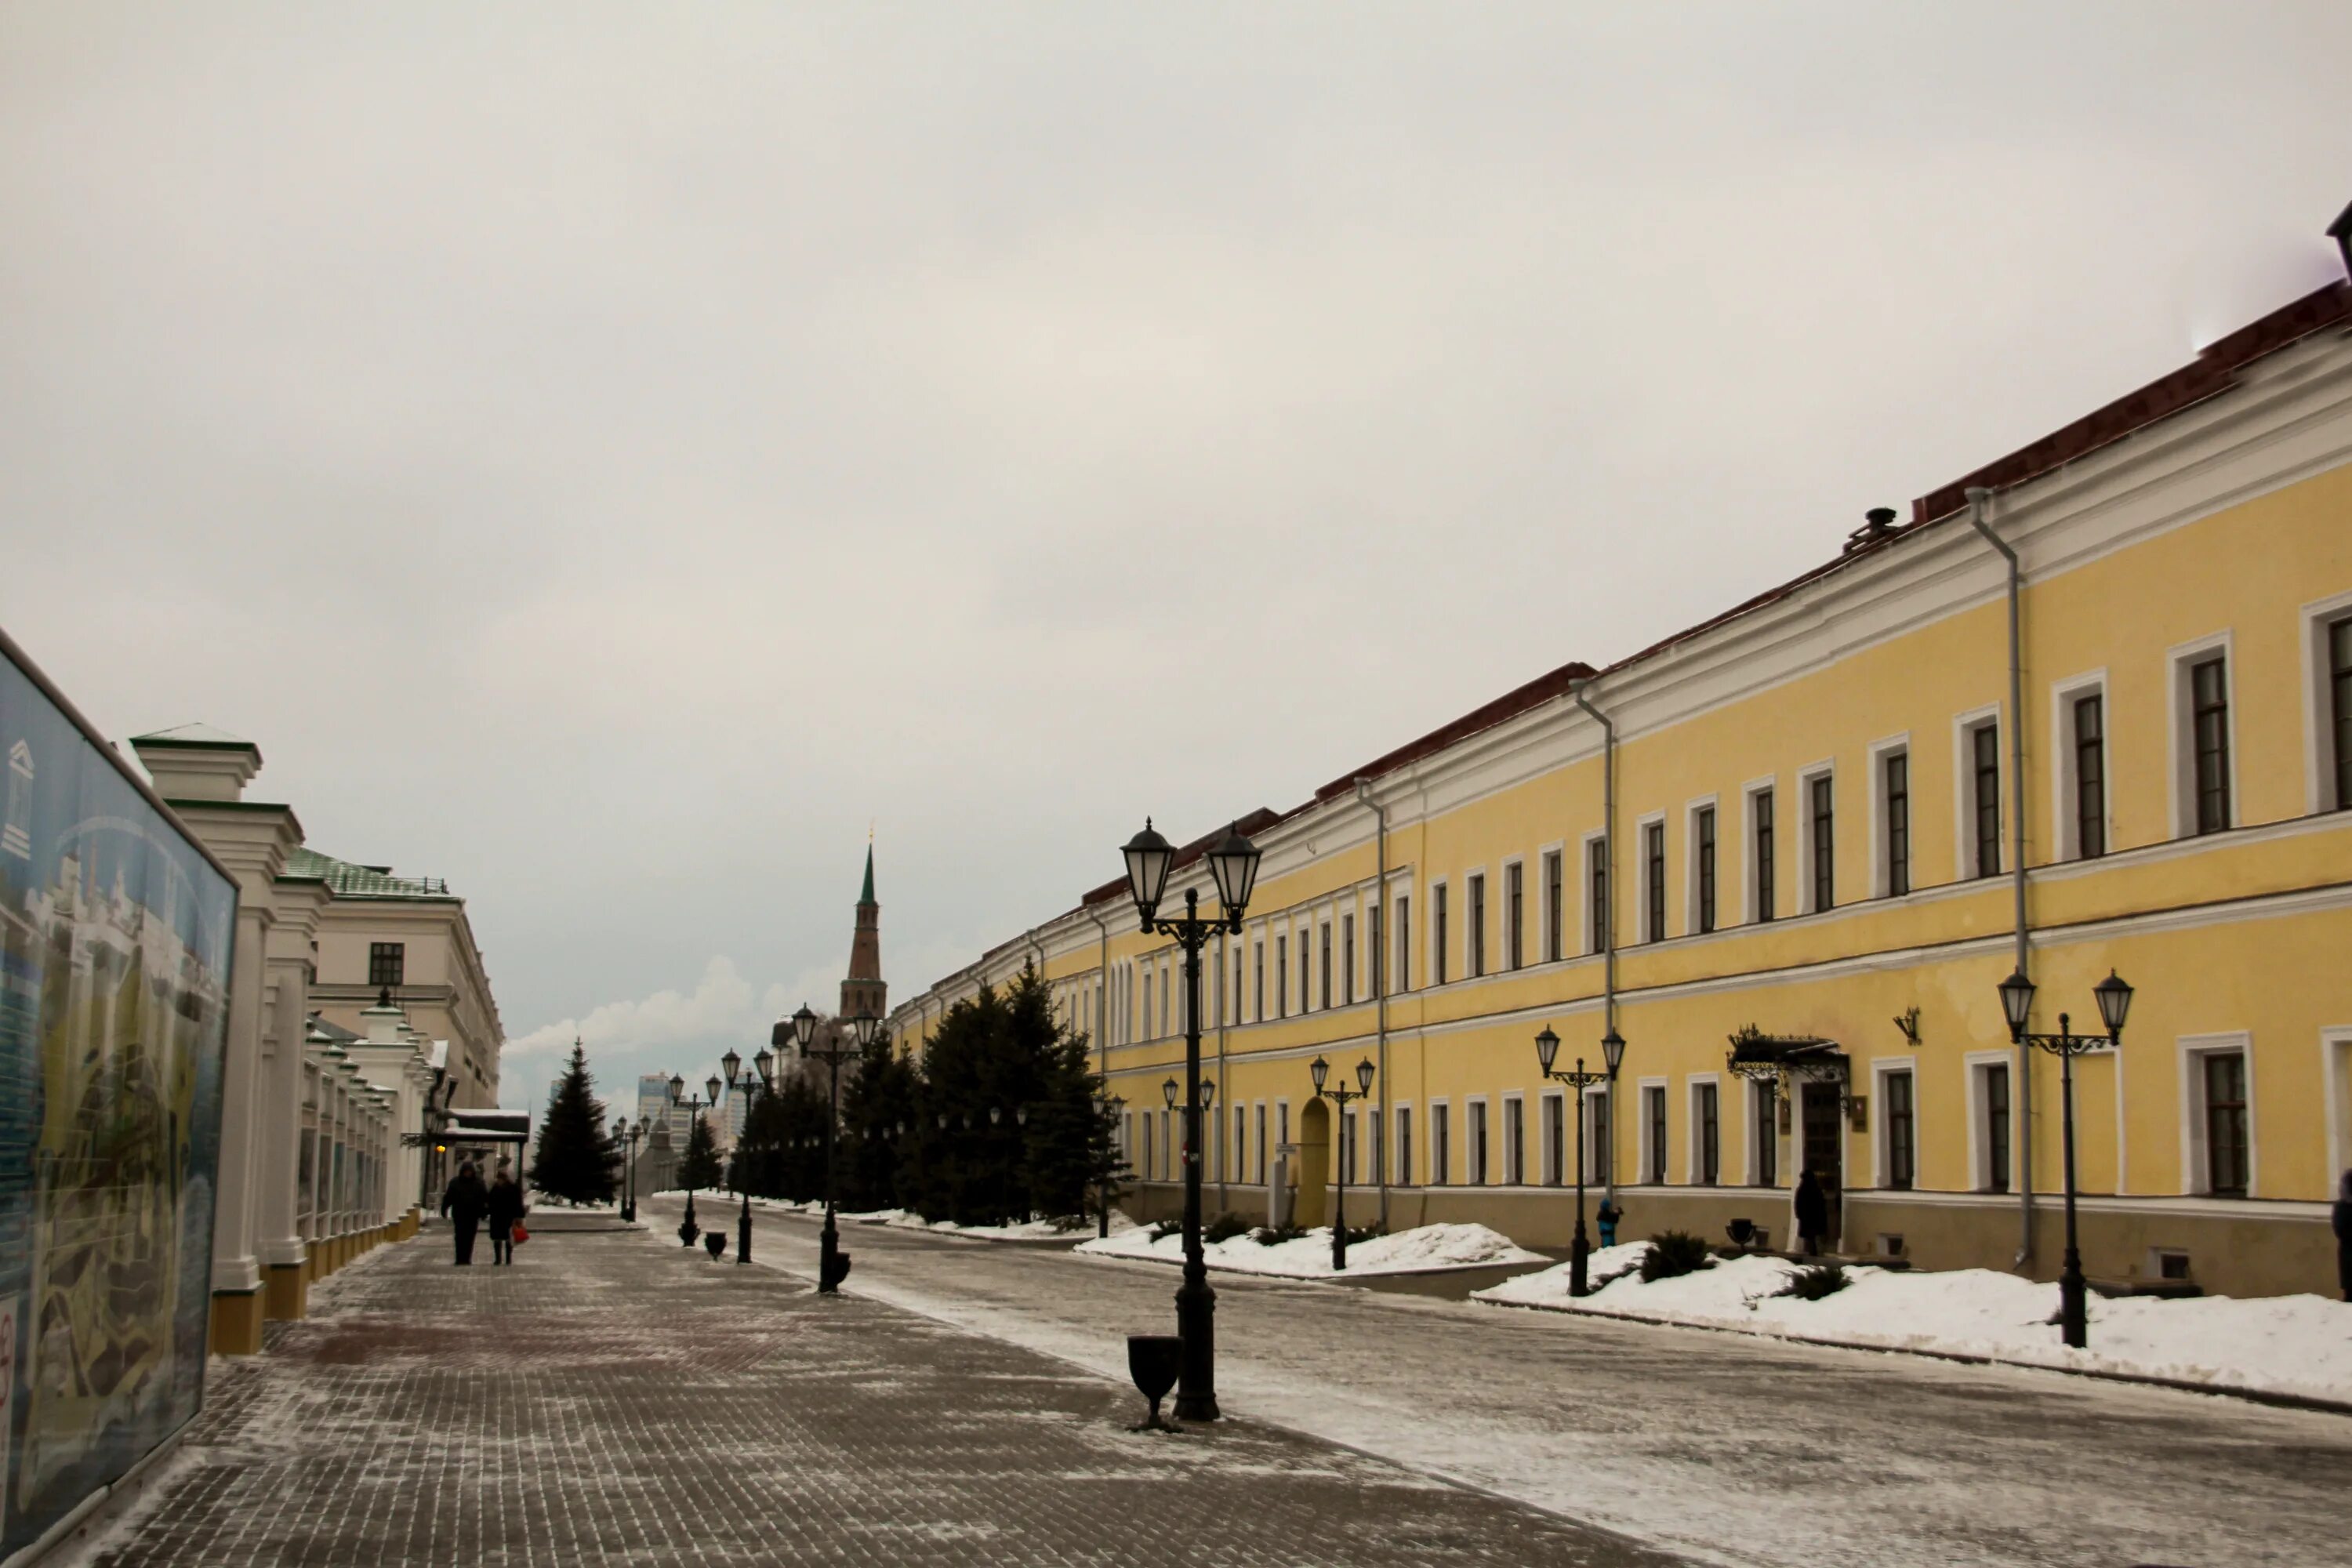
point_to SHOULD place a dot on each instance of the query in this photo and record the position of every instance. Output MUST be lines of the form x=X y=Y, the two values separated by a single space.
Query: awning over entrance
x=1807 y=1058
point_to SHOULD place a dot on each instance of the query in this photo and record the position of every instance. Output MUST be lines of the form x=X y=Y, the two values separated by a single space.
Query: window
x=1653 y=861
x=1703 y=852
x=1514 y=918
x=1984 y=797
x=1555 y=1131
x=1147 y=1166
x=1325 y=954
x=1233 y=1013
x=1257 y=979
x=1706 y=1107
x=1514 y=1143
x=2339 y=706
x=1596 y=916
x=387 y=961
x=1346 y=959
x=2090 y=755
x=1902 y=1148
x=1261 y=1143
x=1348 y=1146
x=1441 y=1153
x=1477 y=933
x=1306 y=970
x=1478 y=1143
x=1821 y=790
x=1438 y=946
x=2226 y=1150
x=1380 y=1171
x=1596 y=1135
x=1895 y=785
x=1551 y=874
x=1377 y=950
x=1767 y=1134
x=1994 y=1084
x=1404 y=1144
x=1237 y=1158
x=1149 y=1028
x=1763 y=809
x=1282 y=975
x=1404 y=944
x=2208 y=713
x=1653 y=1118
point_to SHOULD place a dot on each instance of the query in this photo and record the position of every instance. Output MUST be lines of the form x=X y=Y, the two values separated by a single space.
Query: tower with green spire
x=864 y=990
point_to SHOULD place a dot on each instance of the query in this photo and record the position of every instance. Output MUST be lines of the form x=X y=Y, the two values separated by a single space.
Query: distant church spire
x=864 y=990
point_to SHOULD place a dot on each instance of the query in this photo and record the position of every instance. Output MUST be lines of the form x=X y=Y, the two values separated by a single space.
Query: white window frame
x=1433 y=935
x=1973 y=1064
x=1748 y=907
x=2181 y=733
x=1265 y=1147
x=1749 y=1105
x=1648 y=1159
x=1691 y=808
x=1641 y=826
x=1596 y=1157
x=1551 y=1163
x=2318 y=733
x=2063 y=695
x=1502 y=914
x=2335 y=1077
x=1400 y=1122
x=1882 y=867
x=1882 y=1157
x=2192 y=1050
x=1596 y=849
x=1486 y=888
x=1692 y=1084
x=1964 y=796
x=1826 y=768
x=1441 y=1149
x=1476 y=1110
x=1543 y=915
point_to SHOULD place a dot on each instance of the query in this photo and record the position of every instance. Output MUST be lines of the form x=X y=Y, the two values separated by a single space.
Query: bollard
x=716 y=1241
x=832 y=1274
x=1153 y=1361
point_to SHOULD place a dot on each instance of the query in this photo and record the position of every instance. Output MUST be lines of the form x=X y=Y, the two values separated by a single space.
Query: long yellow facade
x=2184 y=642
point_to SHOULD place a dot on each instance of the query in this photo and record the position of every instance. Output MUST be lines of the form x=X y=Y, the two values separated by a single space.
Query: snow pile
x=908 y=1219
x=2287 y=1344
x=1427 y=1247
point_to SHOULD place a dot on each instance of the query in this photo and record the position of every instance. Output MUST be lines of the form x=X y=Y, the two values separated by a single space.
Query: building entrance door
x=1314 y=1165
x=1825 y=1153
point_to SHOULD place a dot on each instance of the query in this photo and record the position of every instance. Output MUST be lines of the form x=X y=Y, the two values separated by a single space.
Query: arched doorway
x=1314 y=1164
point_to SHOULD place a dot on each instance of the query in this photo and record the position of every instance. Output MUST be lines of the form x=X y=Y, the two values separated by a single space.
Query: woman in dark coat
x=1812 y=1215
x=2342 y=1215
x=506 y=1208
x=462 y=1204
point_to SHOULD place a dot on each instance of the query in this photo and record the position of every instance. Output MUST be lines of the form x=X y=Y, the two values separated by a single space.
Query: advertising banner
x=114 y=975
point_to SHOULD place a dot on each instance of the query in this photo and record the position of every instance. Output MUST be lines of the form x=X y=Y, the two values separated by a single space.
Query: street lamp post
x=1319 y=1070
x=1233 y=864
x=626 y=1134
x=733 y=1064
x=2114 y=997
x=833 y=1264
x=1613 y=1050
x=687 y=1230
x=1106 y=1106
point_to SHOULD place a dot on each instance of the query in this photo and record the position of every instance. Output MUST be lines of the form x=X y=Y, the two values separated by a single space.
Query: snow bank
x=908 y=1219
x=1429 y=1247
x=2283 y=1344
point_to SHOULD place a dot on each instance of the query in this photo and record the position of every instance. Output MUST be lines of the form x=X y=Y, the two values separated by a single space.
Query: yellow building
x=1817 y=830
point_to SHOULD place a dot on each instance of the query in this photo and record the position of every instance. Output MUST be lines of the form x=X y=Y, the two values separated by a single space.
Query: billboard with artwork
x=114 y=973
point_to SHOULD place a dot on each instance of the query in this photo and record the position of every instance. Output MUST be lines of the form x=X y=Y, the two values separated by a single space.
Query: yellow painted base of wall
x=286 y=1291
x=237 y=1322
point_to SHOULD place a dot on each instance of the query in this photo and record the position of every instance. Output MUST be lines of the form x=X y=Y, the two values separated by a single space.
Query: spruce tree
x=577 y=1159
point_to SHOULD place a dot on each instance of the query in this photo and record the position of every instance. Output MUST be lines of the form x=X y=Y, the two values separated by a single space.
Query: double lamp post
x=800 y=1029
x=731 y=1065
x=1613 y=1051
x=1233 y=866
x=687 y=1229
x=1343 y=1146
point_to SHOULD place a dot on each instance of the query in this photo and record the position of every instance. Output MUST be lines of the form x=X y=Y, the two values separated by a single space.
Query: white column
x=234 y=1266
x=279 y=1240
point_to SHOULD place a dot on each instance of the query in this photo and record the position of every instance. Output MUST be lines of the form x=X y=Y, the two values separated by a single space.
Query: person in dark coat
x=462 y=1204
x=1812 y=1215
x=2342 y=1215
x=506 y=1210
x=1608 y=1214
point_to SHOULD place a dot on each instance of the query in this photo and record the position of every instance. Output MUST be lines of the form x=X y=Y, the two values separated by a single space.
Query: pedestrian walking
x=1608 y=1214
x=462 y=1204
x=1812 y=1215
x=507 y=1210
x=2342 y=1215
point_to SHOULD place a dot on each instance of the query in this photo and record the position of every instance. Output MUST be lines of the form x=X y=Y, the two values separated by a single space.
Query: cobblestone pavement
x=1719 y=1446
x=612 y=1400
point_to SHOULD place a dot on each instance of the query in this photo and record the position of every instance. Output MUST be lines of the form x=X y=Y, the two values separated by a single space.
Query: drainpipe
x=1979 y=516
x=1209 y=1137
x=1608 y=916
x=1379 y=982
x=1102 y=1005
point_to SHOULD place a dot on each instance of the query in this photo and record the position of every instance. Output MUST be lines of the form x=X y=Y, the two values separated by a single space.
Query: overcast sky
x=608 y=455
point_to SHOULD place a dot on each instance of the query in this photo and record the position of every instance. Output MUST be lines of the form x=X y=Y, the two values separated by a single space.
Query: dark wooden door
x=1824 y=1152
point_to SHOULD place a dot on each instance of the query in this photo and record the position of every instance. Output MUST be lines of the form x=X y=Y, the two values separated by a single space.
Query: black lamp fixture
x=1612 y=1052
x=1232 y=867
x=2114 y=997
x=833 y=1264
